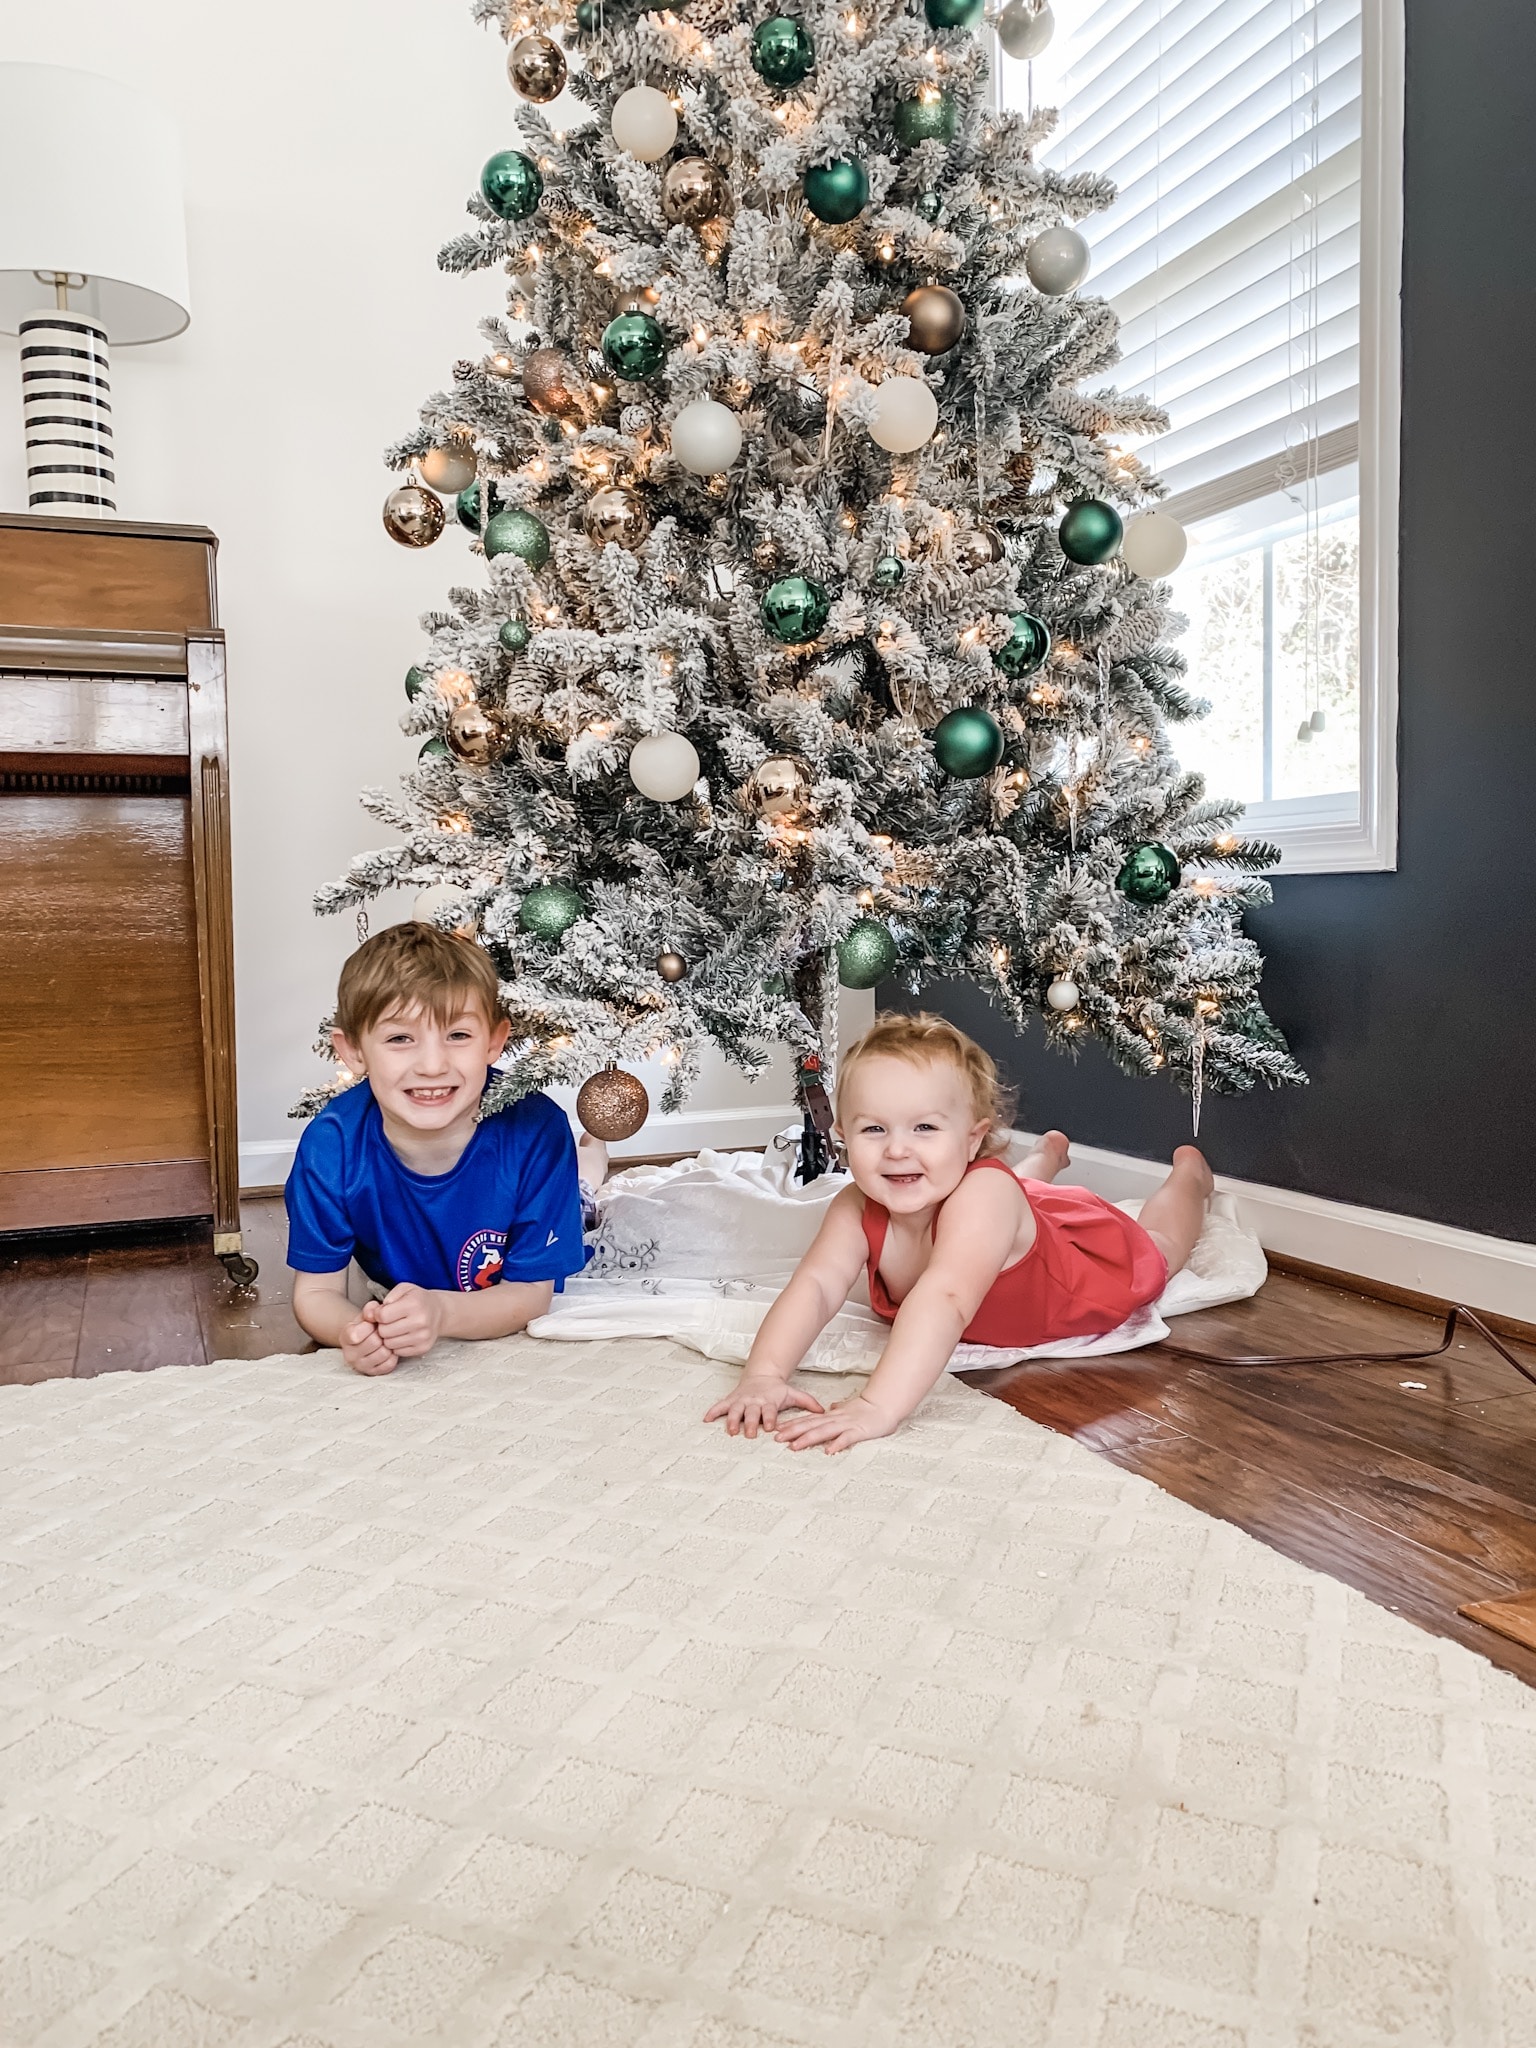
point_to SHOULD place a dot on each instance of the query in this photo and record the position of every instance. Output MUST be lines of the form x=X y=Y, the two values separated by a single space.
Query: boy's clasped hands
x=405 y=1324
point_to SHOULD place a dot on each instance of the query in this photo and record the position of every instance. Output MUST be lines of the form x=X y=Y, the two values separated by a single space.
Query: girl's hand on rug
x=410 y=1320
x=362 y=1346
x=850 y=1422
x=755 y=1400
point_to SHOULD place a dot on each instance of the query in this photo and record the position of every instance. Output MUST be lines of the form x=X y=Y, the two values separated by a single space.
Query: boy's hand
x=755 y=1401
x=364 y=1348
x=850 y=1422
x=410 y=1319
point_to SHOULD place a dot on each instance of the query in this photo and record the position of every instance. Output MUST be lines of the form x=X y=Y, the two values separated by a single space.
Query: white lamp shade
x=90 y=183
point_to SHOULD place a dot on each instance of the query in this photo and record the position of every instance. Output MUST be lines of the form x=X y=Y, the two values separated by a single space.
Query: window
x=1252 y=255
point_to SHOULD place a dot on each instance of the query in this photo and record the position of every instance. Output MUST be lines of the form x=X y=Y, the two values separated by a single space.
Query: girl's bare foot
x=1045 y=1158
x=1191 y=1160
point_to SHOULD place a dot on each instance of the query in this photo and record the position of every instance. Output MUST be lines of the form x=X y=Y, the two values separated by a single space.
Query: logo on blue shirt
x=480 y=1260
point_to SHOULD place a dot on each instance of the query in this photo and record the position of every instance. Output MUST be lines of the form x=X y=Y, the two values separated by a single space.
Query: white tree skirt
x=498 y=1704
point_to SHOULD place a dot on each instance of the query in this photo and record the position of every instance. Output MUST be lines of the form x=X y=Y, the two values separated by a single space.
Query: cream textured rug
x=498 y=1704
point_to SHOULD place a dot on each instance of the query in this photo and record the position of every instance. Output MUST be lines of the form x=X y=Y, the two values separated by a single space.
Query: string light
x=454 y=686
x=866 y=899
x=1227 y=843
x=851 y=23
x=455 y=821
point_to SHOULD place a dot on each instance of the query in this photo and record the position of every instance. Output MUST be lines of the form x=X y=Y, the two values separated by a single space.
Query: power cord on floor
x=1460 y=1313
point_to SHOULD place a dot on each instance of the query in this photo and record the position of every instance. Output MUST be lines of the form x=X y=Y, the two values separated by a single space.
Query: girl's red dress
x=1089 y=1268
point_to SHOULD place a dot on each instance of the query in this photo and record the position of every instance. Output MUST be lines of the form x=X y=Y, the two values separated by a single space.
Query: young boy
x=469 y=1223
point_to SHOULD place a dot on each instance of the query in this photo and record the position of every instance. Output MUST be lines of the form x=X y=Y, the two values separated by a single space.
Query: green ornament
x=953 y=13
x=1025 y=648
x=550 y=910
x=434 y=749
x=837 y=192
x=929 y=204
x=514 y=635
x=518 y=533
x=924 y=119
x=782 y=52
x=415 y=683
x=1090 y=531
x=511 y=184
x=968 y=743
x=889 y=573
x=1150 y=874
x=634 y=346
x=467 y=506
x=795 y=610
x=589 y=16
x=866 y=954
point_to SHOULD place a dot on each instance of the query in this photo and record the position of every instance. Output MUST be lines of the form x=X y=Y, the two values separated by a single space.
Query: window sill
x=1323 y=835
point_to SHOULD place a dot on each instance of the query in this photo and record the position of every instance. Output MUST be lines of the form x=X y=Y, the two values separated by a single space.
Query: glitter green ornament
x=415 y=683
x=782 y=52
x=837 y=192
x=795 y=609
x=888 y=574
x=518 y=533
x=550 y=910
x=1151 y=873
x=954 y=13
x=866 y=954
x=968 y=743
x=514 y=635
x=1025 y=648
x=1090 y=532
x=511 y=184
x=928 y=117
x=634 y=346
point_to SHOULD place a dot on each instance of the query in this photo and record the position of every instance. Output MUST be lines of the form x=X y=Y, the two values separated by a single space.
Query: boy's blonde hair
x=415 y=966
x=921 y=1039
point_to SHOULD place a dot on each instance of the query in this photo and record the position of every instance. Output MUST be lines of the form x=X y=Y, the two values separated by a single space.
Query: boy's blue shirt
x=510 y=1209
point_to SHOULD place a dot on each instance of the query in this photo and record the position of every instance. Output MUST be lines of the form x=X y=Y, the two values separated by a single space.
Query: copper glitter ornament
x=612 y=1105
x=616 y=514
x=413 y=517
x=475 y=736
x=536 y=67
x=936 y=318
x=694 y=192
x=551 y=385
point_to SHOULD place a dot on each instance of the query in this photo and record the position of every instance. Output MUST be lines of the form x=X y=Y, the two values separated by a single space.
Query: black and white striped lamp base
x=66 y=404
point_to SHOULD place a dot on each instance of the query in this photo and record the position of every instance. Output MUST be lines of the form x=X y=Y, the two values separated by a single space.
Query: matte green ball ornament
x=1090 y=532
x=782 y=52
x=415 y=683
x=888 y=574
x=518 y=533
x=968 y=743
x=866 y=954
x=1025 y=648
x=1151 y=873
x=928 y=117
x=514 y=634
x=837 y=192
x=795 y=609
x=434 y=749
x=634 y=346
x=550 y=910
x=511 y=184
x=954 y=13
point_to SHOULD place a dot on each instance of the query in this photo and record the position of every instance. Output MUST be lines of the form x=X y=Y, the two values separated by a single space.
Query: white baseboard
x=1493 y=1273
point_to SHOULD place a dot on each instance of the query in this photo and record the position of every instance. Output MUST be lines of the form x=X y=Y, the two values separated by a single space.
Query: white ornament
x=1062 y=995
x=1319 y=720
x=1057 y=261
x=449 y=469
x=706 y=437
x=906 y=413
x=664 y=766
x=1025 y=27
x=643 y=123
x=1154 y=544
x=441 y=896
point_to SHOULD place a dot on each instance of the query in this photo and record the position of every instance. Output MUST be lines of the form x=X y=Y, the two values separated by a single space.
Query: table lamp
x=91 y=216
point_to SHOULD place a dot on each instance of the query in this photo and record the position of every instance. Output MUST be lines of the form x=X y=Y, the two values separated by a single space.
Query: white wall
x=329 y=151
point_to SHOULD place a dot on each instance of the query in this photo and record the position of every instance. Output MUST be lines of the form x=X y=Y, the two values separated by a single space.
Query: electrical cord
x=1459 y=1314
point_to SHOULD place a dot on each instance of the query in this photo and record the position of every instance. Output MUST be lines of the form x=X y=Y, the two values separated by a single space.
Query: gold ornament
x=612 y=1105
x=413 y=517
x=475 y=736
x=616 y=514
x=671 y=966
x=979 y=548
x=694 y=191
x=765 y=554
x=449 y=469
x=551 y=385
x=536 y=67
x=779 y=787
x=936 y=318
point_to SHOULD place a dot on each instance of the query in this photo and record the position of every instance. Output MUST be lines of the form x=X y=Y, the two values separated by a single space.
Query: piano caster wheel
x=241 y=1270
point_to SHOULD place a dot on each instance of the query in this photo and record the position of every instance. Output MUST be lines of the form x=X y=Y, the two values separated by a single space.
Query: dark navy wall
x=1411 y=997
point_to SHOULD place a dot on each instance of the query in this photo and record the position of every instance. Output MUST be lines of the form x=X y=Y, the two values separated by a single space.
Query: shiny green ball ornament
x=954 y=13
x=1025 y=648
x=968 y=743
x=511 y=184
x=925 y=118
x=634 y=346
x=795 y=609
x=782 y=52
x=866 y=954
x=415 y=683
x=929 y=204
x=589 y=16
x=1151 y=873
x=1090 y=532
x=550 y=910
x=889 y=573
x=837 y=192
x=518 y=533
x=467 y=506
x=434 y=749
x=514 y=635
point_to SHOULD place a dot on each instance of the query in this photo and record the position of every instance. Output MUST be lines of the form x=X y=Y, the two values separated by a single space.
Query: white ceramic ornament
x=664 y=766
x=441 y=896
x=449 y=469
x=643 y=123
x=1025 y=27
x=1062 y=995
x=706 y=437
x=1057 y=261
x=1154 y=544
x=906 y=413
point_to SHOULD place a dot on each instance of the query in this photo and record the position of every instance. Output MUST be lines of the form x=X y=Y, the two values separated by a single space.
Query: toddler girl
x=956 y=1244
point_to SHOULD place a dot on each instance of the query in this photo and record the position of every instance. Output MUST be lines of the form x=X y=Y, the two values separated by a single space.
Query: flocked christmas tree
x=809 y=644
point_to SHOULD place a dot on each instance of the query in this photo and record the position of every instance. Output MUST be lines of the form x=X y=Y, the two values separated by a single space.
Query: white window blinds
x=1232 y=254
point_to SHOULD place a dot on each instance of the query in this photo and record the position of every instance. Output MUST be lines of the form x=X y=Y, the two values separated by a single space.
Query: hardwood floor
x=1416 y=1484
